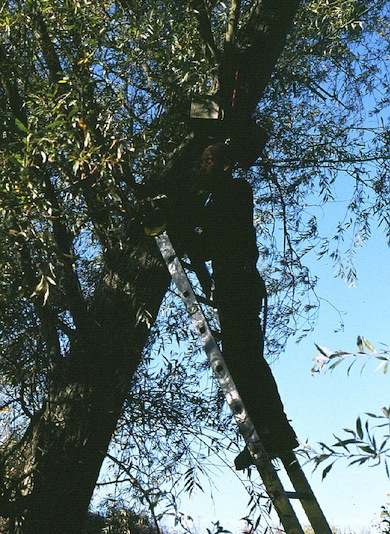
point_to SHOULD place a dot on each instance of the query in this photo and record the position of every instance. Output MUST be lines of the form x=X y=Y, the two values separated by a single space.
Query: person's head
x=216 y=160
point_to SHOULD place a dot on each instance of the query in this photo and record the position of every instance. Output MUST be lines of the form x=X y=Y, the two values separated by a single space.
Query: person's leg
x=242 y=342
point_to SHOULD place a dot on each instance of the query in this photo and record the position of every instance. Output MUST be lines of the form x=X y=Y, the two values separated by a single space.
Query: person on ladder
x=221 y=230
x=227 y=238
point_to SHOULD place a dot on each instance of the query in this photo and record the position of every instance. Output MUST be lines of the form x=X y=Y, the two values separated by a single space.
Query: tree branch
x=260 y=40
x=7 y=77
x=97 y=209
x=136 y=483
x=48 y=50
x=234 y=14
x=292 y=163
x=211 y=50
x=64 y=243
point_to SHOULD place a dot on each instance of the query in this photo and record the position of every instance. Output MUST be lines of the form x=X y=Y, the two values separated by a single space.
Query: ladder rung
x=297 y=495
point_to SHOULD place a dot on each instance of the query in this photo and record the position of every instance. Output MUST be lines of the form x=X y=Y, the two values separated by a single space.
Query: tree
x=94 y=99
x=87 y=281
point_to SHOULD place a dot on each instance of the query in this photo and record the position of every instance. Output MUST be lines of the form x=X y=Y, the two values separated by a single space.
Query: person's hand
x=155 y=214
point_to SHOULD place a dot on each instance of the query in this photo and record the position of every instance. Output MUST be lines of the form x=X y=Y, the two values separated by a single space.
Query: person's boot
x=275 y=445
x=243 y=460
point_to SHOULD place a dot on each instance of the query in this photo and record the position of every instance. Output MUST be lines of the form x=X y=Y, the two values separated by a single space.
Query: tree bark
x=68 y=441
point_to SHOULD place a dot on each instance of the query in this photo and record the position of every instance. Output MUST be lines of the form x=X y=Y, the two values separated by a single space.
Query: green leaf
x=324 y=350
x=368 y=345
x=20 y=125
x=321 y=458
x=359 y=461
x=366 y=448
x=345 y=442
x=359 y=428
x=359 y=343
x=386 y=411
x=326 y=470
x=17 y=158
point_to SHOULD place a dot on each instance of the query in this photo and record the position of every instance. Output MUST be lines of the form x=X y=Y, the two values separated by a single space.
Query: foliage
x=94 y=100
x=385 y=520
x=364 y=444
x=369 y=441
x=327 y=359
x=119 y=520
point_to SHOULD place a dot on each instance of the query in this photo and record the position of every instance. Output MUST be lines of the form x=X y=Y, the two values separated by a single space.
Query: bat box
x=206 y=108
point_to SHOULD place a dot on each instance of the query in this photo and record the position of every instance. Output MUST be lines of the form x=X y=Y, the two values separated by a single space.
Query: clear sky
x=322 y=405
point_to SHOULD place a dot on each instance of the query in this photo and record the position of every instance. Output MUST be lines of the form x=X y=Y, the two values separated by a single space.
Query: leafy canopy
x=94 y=100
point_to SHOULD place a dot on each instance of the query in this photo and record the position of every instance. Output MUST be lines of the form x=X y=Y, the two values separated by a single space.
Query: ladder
x=280 y=498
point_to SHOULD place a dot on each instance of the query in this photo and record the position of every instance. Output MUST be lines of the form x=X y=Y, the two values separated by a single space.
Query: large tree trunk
x=67 y=442
x=69 y=439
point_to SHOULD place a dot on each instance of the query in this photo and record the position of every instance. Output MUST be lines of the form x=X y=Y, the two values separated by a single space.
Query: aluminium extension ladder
x=279 y=497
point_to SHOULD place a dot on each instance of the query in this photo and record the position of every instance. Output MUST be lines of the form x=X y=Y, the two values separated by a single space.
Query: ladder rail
x=279 y=497
x=308 y=501
x=266 y=469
